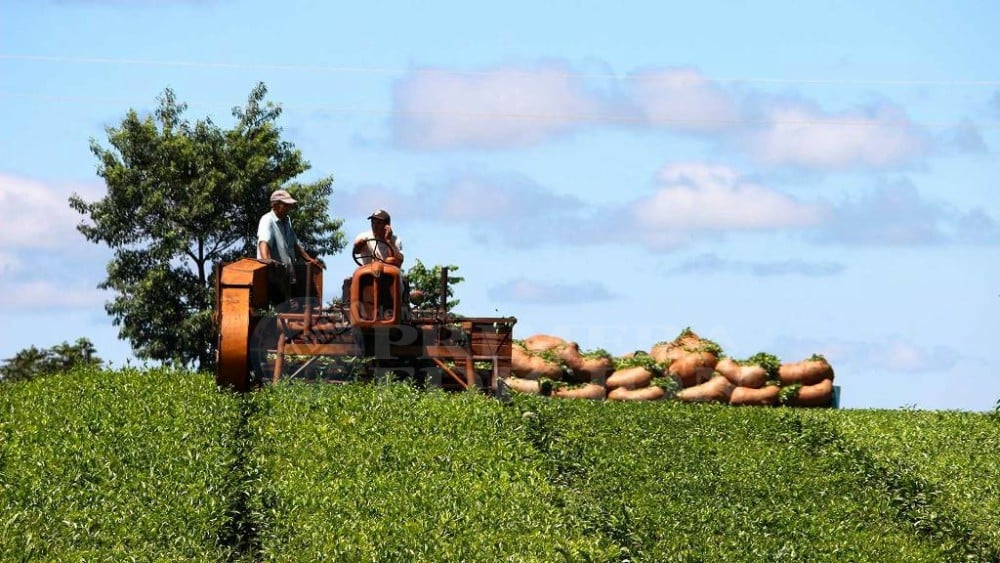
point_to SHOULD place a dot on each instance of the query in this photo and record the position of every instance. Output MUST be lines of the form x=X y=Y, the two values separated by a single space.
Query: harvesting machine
x=269 y=329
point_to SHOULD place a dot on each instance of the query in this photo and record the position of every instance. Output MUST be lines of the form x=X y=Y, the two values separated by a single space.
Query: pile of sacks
x=688 y=368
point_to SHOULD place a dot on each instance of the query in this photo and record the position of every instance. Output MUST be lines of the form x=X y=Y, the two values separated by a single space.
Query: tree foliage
x=428 y=280
x=33 y=362
x=182 y=197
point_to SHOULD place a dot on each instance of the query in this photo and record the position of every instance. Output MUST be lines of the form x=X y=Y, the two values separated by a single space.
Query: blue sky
x=786 y=177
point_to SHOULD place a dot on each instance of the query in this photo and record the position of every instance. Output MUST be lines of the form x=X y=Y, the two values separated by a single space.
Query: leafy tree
x=181 y=198
x=34 y=362
x=428 y=280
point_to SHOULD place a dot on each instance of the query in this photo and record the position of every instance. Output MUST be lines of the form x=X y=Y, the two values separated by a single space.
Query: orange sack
x=693 y=367
x=653 y=393
x=531 y=366
x=765 y=396
x=635 y=377
x=750 y=375
x=715 y=390
x=818 y=395
x=591 y=391
x=806 y=372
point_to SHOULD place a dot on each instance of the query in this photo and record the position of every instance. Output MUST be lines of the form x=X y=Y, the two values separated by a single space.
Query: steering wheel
x=365 y=252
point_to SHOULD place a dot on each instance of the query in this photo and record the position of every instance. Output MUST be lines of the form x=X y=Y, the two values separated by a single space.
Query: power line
x=197 y=64
x=402 y=71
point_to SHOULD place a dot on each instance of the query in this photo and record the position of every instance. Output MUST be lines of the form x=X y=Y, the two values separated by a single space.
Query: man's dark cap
x=381 y=214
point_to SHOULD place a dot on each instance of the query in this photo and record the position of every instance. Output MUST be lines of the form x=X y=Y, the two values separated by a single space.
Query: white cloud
x=800 y=135
x=477 y=198
x=45 y=263
x=367 y=198
x=894 y=213
x=515 y=106
x=683 y=99
x=975 y=226
x=901 y=356
x=702 y=197
x=9 y=263
x=906 y=357
x=892 y=354
x=41 y=295
x=504 y=107
x=506 y=208
x=964 y=138
x=37 y=215
x=714 y=264
x=689 y=200
x=546 y=293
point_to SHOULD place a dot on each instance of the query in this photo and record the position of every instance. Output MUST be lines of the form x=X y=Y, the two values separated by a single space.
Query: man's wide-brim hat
x=283 y=196
x=380 y=214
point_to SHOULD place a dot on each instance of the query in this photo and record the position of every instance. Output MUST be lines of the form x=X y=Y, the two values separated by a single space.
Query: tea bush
x=115 y=465
x=159 y=466
x=945 y=464
x=675 y=482
x=388 y=473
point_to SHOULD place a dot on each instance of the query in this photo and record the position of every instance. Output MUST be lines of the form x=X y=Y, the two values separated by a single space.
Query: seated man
x=381 y=243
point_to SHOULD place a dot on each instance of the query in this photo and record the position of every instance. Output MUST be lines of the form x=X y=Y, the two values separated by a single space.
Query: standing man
x=386 y=246
x=275 y=238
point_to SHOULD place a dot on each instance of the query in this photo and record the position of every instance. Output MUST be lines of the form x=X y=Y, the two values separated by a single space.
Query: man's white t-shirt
x=378 y=248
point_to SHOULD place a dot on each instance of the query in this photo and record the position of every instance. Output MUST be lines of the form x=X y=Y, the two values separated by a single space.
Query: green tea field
x=155 y=465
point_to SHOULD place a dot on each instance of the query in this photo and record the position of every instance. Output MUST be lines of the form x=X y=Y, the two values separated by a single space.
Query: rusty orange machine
x=269 y=329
